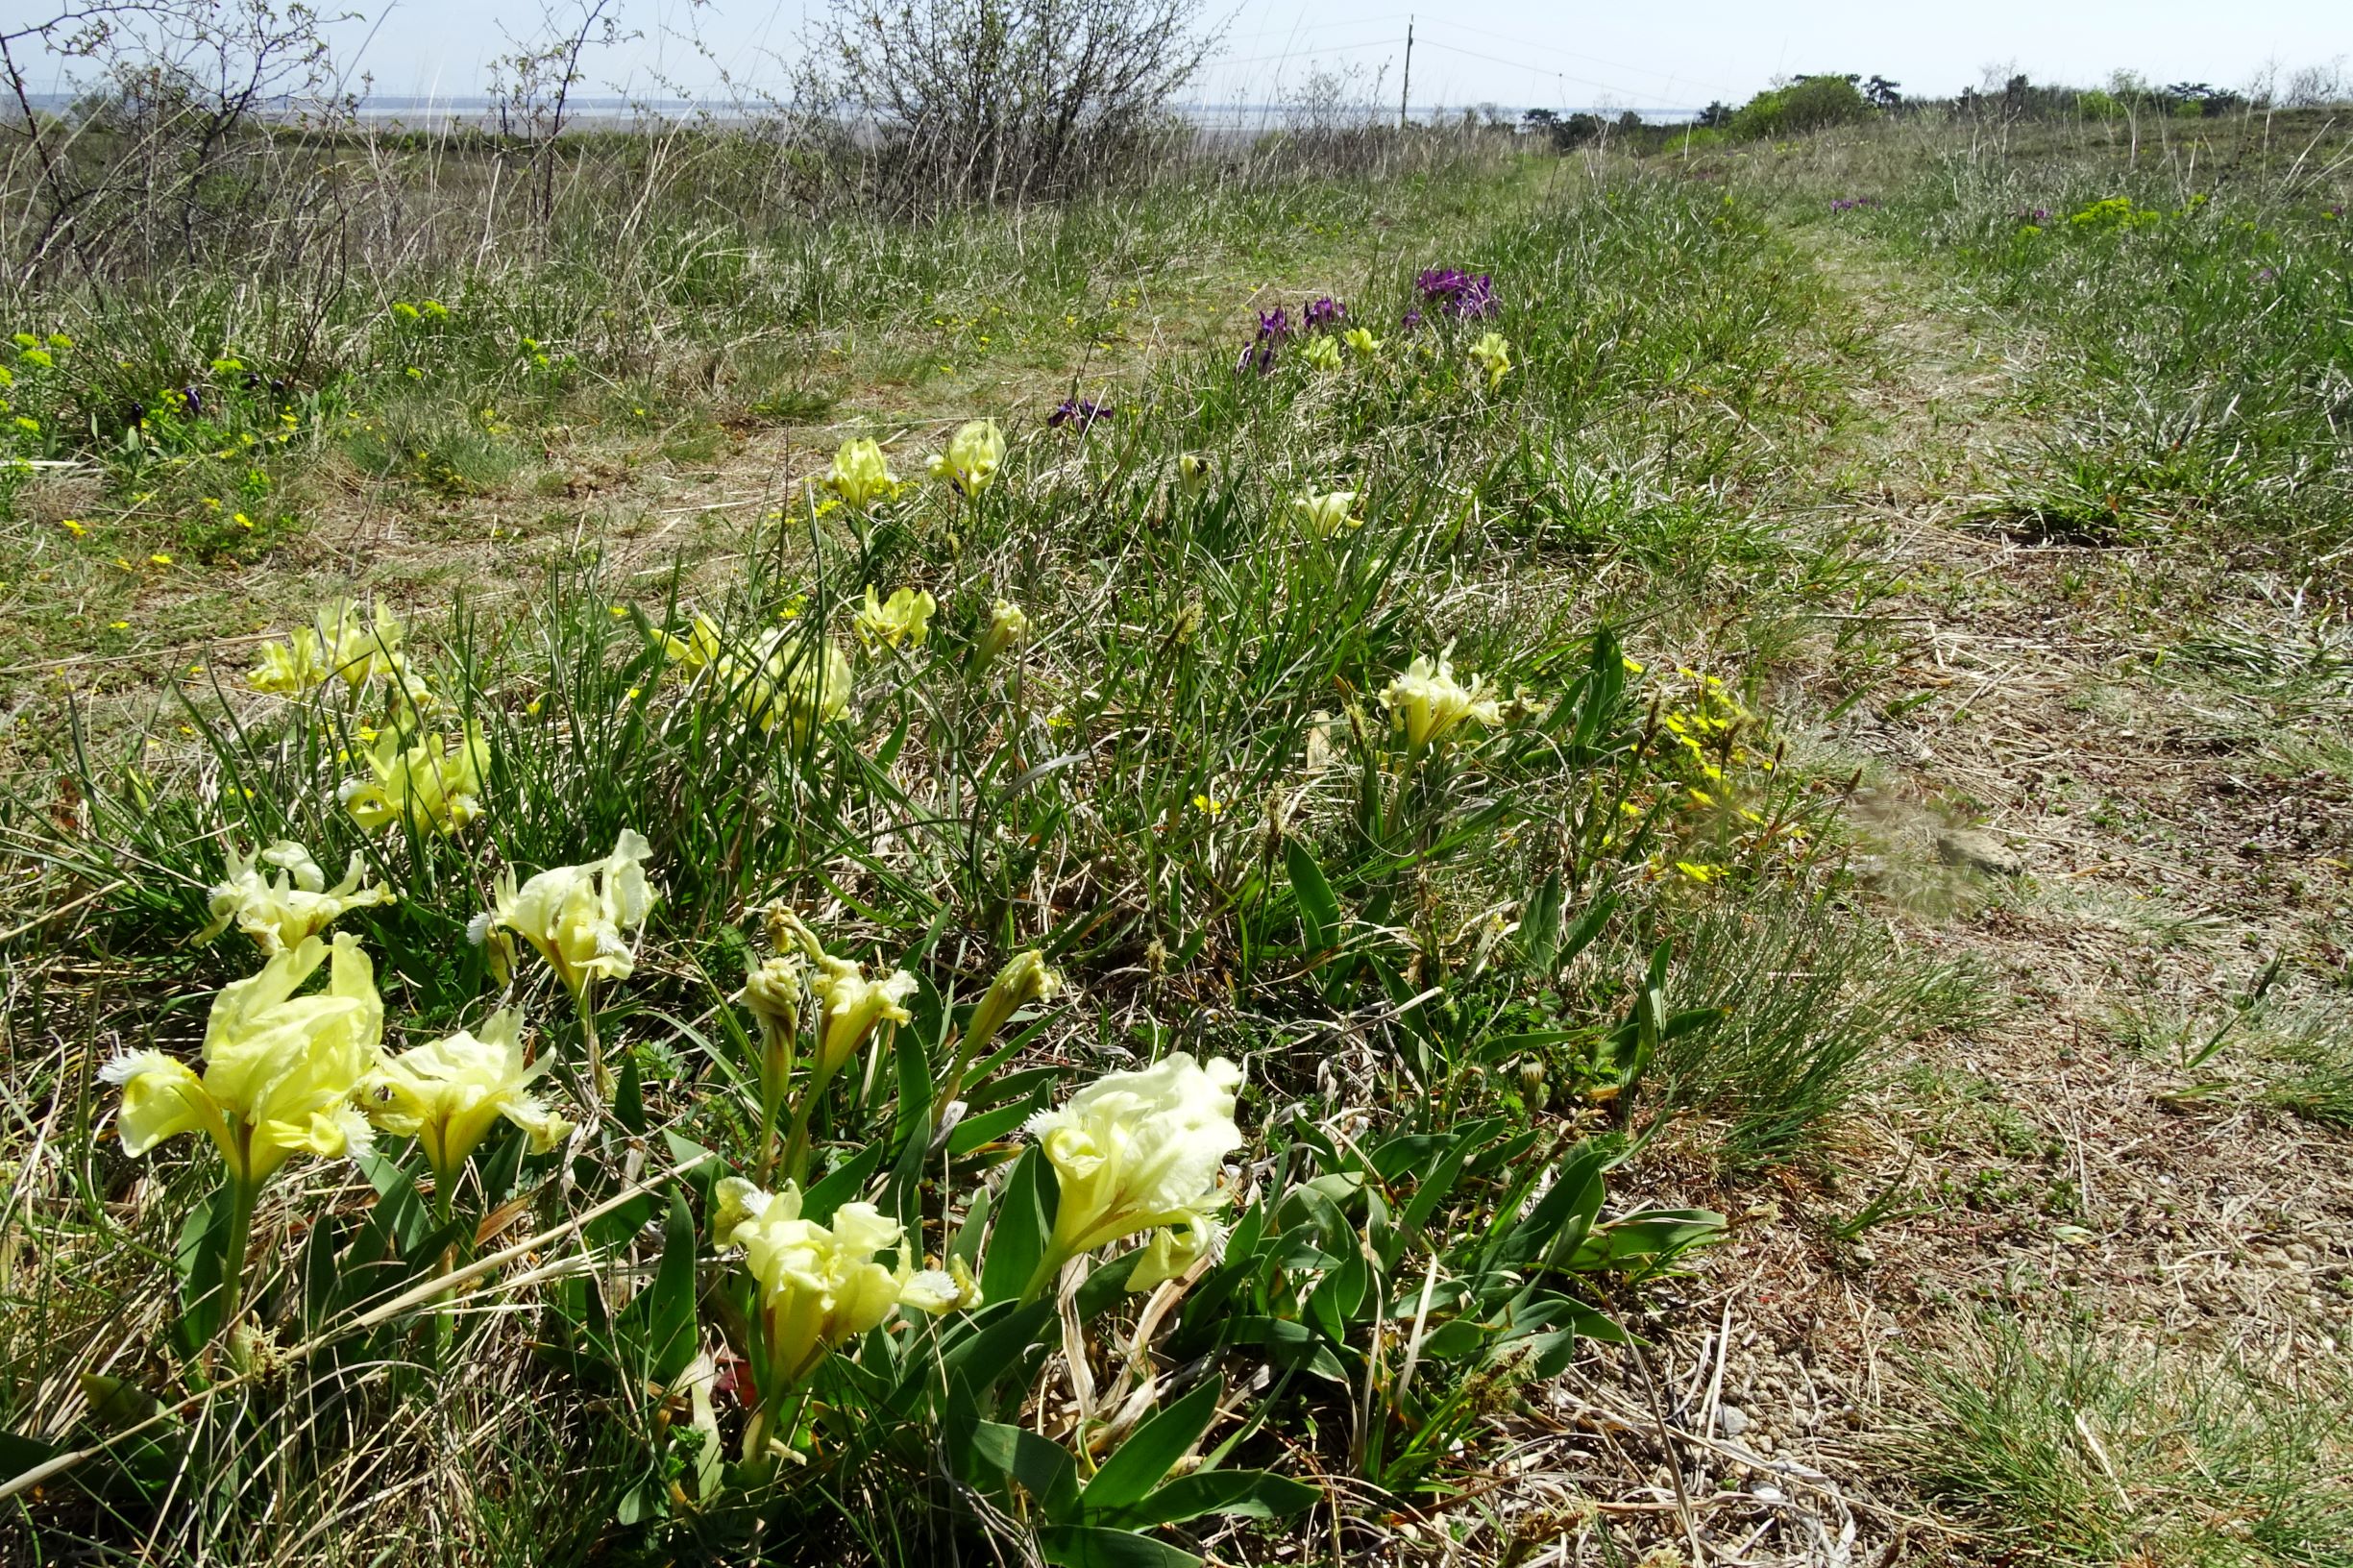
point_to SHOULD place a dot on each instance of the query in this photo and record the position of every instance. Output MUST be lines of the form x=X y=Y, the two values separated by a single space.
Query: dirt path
x=2090 y=773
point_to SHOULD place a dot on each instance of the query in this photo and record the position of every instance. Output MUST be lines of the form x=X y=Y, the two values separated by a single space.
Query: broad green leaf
x=1088 y=1546
x=1043 y=1468
x=1017 y=1245
x=1251 y=1494
x=657 y=1326
x=1319 y=911
x=1153 y=1449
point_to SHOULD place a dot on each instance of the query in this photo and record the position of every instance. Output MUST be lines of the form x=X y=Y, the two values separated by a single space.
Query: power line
x=1294 y=54
x=1572 y=54
x=1605 y=87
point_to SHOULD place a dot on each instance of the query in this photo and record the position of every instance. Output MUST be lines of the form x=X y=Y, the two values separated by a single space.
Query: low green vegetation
x=1142 y=880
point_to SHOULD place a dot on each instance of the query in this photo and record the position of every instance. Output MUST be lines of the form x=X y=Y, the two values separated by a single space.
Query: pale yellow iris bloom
x=1194 y=474
x=780 y=678
x=824 y=1285
x=972 y=457
x=338 y=645
x=576 y=916
x=278 y=1069
x=1494 y=356
x=861 y=475
x=279 y=913
x=1327 y=514
x=1428 y=703
x=850 y=1007
x=1322 y=353
x=448 y=1093
x=1008 y=629
x=1363 y=342
x=430 y=786
x=1140 y=1151
x=903 y=619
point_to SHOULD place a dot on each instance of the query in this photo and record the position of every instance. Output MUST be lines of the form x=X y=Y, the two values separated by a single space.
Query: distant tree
x=1882 y=93
x=1715 y=116
x=1574 y=130
x=1629 y=121
x=1809 y=103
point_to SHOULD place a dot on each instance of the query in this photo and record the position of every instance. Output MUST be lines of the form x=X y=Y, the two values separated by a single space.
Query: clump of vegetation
x=2079 y=1449
x=1809 y=103
x=1113 y=958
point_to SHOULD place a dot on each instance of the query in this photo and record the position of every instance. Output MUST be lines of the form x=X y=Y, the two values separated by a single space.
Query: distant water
x=607 y=112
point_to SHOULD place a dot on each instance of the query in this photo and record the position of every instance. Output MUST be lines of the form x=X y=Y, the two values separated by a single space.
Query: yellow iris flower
x=1428 y=703
x=1327 y=514
x=576 y=916
x=429 y=786
x=822 y=1284
x=448 y=1093
x=1494 y=356
x=972 y=456
x=1140 y=1151
x=279 y=913
x=861 y=475
x=904 y=617
x=278 y=1069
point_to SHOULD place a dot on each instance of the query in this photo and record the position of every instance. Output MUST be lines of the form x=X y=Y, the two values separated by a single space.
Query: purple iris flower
x=194 y=401
x=2265 y=275
x=1078 y=412
x=1412 y=318
x=1274 y=326
x=1459 y=294
x=1325 y=313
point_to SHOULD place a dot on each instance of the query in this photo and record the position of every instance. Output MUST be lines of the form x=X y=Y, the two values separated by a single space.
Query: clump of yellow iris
x=861 y=475
x=972 y=456
x=902 y=618
x=338 y=645
x=280 y=912
x=819 y=1286
x=1428 y=704
x=784 y=676
x=432 y=785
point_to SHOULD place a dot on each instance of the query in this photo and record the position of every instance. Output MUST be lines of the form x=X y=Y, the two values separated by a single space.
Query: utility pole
x=1404 y=93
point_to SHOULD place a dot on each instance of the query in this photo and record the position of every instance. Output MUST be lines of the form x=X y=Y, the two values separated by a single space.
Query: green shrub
x=1811 y=103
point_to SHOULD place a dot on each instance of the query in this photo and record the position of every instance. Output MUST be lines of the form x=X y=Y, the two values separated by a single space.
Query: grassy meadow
x=1451 y=855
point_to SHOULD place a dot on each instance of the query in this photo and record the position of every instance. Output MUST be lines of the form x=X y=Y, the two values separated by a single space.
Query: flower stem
x=1048 y=1267
x=601 y=1082
x=243 y=1191
x=797 y=1144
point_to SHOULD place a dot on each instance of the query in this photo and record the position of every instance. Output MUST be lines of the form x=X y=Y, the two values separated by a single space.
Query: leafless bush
x=960 y=101
x=165 y=152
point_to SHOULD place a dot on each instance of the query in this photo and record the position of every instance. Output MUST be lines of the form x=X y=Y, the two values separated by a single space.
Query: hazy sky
x=1517 y=52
